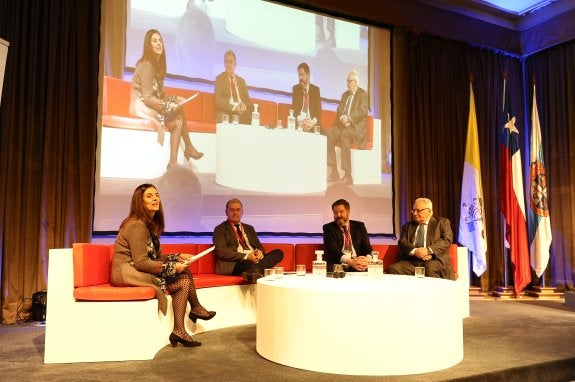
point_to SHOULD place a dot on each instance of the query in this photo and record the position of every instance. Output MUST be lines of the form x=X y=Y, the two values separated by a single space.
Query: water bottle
x=291 y=121
x=319 y=267
x=255 y=116
x=375 y=265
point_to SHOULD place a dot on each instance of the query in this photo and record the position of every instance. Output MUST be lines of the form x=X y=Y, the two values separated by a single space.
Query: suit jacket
x=314 y=101
x=357 y=113
x=439 y=238
x=223 y=93
x=226 y=243
x=333 y=241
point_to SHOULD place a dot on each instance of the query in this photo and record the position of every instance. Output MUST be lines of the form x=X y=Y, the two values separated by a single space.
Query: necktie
x=420 y=236
x=305 y=100
x=234 y=90
x=240 y=235
x=346 y=238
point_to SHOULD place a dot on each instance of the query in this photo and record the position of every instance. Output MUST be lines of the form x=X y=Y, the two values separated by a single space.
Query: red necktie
x=233 y=86
x=240 y=235
x=346 y=238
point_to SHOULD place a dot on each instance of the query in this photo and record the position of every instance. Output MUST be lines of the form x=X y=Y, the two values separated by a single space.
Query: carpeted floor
x=517 y=340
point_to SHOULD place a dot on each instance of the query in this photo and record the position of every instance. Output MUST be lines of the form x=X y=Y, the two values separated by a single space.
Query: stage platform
x=504 y=340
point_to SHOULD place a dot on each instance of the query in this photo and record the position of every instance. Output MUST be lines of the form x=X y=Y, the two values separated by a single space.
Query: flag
x=512 y=200
x=538 y=214
x=471 y=219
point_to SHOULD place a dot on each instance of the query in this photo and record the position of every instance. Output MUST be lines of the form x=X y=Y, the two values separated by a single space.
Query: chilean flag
x=512 y=201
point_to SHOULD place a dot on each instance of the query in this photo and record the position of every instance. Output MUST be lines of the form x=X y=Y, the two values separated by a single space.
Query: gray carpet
x=523 y=340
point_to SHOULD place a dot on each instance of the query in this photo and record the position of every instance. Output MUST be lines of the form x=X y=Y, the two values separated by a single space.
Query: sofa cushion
x=107 y=292
x=288 y=262
x=305 y=254
x=207 y=280
x=91 y=264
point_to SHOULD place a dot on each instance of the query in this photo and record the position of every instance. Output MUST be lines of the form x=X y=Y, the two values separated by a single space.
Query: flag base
x=543 y=293
x=475 y=292
x=503 y=292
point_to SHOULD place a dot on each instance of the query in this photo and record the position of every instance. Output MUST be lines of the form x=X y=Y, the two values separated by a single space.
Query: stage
x=504 y=340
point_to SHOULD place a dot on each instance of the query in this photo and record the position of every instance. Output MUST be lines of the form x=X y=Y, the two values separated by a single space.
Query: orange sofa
x=305 y=254
x=92 y=271
x=92 y=268
x=327 y=121
x=200 y=112
x=88 y=320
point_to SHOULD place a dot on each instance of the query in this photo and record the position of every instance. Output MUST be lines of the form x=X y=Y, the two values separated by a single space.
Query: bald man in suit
x=350 y=128
x=431 y=249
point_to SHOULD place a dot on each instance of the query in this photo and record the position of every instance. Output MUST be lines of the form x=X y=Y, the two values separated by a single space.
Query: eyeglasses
x=419 y=211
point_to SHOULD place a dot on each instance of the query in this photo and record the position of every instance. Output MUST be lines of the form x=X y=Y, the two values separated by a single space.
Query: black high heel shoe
x=195 y=156
x=174 y=339
x=194 y=317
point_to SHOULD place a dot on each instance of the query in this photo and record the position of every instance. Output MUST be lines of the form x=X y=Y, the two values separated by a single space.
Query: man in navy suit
x=231 y=93
x=425 y=242
x=306 y=99
x=345 y=241
x=350 y=128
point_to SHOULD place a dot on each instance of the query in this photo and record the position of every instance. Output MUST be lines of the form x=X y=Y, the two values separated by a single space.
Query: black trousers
x=270 y=260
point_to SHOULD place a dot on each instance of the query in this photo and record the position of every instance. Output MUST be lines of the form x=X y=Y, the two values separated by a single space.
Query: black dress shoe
x=174 y=340
x=252 y=277
x=194 y=317
x=256 y=276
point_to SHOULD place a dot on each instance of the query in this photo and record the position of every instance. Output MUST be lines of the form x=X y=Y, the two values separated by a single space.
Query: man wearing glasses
x=425 y=242
x=350 y=128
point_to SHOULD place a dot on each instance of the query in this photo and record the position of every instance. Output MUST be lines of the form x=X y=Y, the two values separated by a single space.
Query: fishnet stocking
x=183 y=291
x=178 y=130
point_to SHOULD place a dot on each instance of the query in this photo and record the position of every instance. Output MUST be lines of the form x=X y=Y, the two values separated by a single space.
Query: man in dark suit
x=425 y=242
x=306 y=99
x=350 y=127
x=231 y=93
x=345 y=241
x=238 y=248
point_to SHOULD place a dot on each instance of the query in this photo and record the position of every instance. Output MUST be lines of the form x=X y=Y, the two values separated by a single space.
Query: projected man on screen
x=238 y=248
x=345 y=241
x=425 y=242
x=231 y=93
x=306 y=99
x=350 y=128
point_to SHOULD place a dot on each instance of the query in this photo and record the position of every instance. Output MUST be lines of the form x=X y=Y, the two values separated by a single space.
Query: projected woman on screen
x=149 y=99
x=138 y=261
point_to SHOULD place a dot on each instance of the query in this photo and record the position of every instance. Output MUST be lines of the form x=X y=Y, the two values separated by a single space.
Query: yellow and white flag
x=472 y=220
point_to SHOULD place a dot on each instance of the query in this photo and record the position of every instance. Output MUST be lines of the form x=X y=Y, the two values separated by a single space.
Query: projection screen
x=279 y=175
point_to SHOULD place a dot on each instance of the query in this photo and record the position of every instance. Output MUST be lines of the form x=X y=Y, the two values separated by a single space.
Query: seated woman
x=149 y=99
x=138 y=261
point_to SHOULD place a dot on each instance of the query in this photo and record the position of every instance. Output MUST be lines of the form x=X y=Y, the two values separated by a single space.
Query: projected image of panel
x=279 y=171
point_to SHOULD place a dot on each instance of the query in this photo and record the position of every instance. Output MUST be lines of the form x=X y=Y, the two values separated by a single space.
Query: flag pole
x=505 y=254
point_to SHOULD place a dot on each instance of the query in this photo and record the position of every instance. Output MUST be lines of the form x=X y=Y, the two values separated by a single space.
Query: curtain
x=48 y=139
x=431 y=108
x=554 y=75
